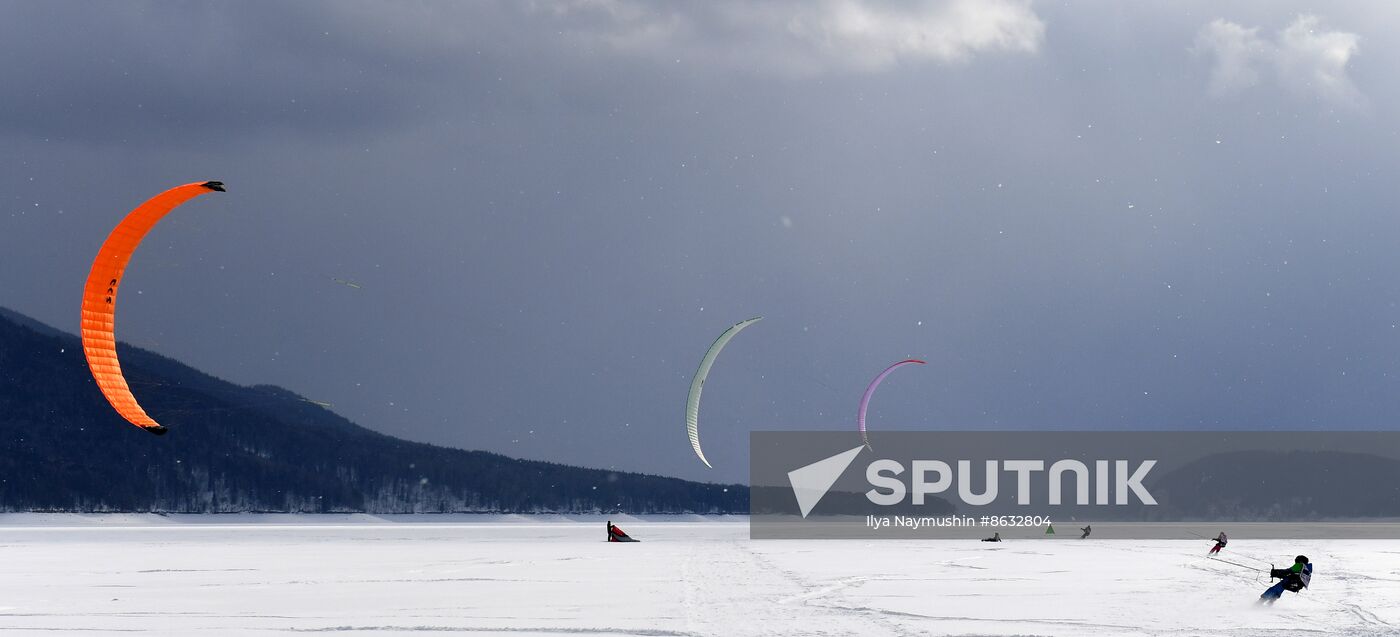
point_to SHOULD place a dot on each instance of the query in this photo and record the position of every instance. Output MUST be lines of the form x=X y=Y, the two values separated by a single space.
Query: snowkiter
x=1087 y=530
x=1294 y=578
x=616 y=535
x=1220 y=542
x=996 y=537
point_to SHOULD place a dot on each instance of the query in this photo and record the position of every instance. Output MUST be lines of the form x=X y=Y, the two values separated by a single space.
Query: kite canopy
x=100 y=298
x=870 y=391
x=692 y=403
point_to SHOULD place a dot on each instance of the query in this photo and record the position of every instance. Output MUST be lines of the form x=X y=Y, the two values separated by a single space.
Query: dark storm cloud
x=1082 y=216
x=133 y=72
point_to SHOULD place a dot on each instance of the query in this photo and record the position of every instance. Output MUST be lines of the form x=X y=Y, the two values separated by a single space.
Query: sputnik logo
x=811 y=482
x=1118 y=478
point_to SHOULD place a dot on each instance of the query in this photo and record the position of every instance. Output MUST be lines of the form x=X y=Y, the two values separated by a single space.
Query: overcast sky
x=1082 y=214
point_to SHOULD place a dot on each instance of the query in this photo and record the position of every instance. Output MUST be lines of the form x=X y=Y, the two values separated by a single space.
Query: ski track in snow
x=690 y=579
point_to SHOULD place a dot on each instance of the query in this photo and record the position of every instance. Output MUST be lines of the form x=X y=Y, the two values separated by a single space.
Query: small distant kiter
x=616 y=535
x=1220 y=542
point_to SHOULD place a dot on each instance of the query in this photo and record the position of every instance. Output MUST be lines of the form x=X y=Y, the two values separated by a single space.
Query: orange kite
x=100 y=298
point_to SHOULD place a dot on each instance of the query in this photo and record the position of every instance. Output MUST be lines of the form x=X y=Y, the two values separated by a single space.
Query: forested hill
x=261 y=448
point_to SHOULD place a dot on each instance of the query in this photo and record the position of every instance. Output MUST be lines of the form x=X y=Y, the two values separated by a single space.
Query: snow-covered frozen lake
x=551 y=575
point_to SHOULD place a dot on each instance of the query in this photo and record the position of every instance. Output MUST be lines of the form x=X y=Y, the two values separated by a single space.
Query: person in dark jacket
x=1220 y=542
x=1087 y=530
x=996 y=537
x=1294 y=578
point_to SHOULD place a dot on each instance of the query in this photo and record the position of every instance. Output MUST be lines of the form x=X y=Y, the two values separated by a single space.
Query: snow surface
x=552 y=575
